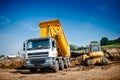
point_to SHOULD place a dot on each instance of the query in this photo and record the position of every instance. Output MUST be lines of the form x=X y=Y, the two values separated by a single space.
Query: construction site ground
x=78 y=72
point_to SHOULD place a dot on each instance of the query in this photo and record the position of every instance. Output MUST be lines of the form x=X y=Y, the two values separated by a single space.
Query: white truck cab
x=40 y=52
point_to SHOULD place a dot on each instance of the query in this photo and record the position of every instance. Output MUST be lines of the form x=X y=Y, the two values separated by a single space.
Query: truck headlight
x=48 y=59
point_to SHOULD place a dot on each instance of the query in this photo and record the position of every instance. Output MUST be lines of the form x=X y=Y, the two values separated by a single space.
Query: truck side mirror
x=24 y=46
x=53 y=44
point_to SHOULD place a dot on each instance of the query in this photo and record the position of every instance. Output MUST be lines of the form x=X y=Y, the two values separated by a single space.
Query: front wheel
x=33 y=70
x=56 y=67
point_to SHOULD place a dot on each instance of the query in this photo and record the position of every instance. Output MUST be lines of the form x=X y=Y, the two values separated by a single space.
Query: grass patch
x=116 y=45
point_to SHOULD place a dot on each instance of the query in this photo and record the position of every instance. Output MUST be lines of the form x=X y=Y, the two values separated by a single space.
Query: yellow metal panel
x=54 y=29
x=44 y=32
x=96 y=54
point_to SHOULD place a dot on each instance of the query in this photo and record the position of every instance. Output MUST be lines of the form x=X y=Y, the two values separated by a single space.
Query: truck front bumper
x=46 y=64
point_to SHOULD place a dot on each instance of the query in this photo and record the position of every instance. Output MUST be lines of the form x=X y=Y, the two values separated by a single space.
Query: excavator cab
x=95 y=47
x=94 y=54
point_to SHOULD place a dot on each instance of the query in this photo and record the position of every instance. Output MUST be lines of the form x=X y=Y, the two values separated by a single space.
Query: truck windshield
x=95 y=48
x=38 y=44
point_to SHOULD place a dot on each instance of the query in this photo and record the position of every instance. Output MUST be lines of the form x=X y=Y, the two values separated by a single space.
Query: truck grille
x=38 y=55
x=37 y=61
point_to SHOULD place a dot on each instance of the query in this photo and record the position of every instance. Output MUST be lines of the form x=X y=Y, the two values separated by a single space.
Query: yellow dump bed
x=54 y=30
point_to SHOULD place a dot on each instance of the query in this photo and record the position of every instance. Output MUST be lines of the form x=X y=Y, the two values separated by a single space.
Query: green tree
x=73 y=47
x=81 y=48
x=76 y=48
x=104 y=41
x=94 y=42
x=117 y=40
x=2 y=56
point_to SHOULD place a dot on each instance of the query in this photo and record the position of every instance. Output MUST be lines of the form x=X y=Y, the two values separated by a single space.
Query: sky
x=82 y=20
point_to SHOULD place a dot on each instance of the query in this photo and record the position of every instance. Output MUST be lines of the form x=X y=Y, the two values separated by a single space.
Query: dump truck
x=94 y=55
x=50 y=51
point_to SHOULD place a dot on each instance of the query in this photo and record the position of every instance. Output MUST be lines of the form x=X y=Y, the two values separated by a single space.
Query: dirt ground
x=97 y=72
x=76 y=72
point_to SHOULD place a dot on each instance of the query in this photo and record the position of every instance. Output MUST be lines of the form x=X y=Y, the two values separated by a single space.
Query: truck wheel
x=56 y=67
x=65 y=60
x=61 y=65
x=66 y=65
x=104 y=61
x=33 y=70
x=42 y=69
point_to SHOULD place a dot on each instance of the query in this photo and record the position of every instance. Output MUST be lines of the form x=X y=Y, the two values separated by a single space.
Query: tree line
x=76 y=48
x=103 y=41
x=106 y=41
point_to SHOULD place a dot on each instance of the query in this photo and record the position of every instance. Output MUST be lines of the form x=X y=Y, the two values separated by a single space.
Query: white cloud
x=6 y=36
x=4 y=20
x=30 y=26
x=34 y=29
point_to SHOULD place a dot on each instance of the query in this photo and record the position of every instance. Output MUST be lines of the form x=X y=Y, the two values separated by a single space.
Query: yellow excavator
x=94 y=55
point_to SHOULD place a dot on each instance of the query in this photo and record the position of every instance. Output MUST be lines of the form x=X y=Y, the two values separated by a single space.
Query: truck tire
x=69 y=63
x=61 y=65
x=66 y=65
x=33 y=70
x=42 y=69
x=56 y=67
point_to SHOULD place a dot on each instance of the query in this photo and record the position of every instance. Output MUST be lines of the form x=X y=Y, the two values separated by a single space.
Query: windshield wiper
x=30 y=48
x=43 y=47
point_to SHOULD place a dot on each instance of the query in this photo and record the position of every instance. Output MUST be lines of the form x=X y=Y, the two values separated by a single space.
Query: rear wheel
x=66 y=63
x=61 y=65
x=56 y=67
x=33 y=70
